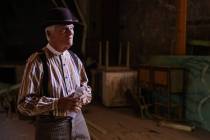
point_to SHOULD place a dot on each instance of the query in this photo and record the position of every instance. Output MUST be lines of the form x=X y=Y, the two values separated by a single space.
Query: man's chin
x=69 y=43
x=68 y=46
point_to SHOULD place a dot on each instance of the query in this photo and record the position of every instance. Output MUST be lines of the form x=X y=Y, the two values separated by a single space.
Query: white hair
x=49 y=29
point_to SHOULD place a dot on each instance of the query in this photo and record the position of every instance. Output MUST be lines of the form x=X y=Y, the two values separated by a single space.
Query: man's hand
x=85 y=99
x=69 y=103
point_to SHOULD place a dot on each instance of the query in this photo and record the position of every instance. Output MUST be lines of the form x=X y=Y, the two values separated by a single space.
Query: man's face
x=62 y=37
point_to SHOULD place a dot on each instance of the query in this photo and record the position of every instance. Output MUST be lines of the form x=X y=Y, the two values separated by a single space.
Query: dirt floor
x=106 y=124
x=123 y=124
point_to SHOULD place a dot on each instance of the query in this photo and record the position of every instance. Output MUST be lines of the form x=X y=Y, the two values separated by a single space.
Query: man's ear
x=48 y=33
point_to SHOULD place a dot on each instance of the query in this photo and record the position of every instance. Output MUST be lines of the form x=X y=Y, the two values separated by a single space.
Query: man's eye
x=63 y=30
x=71 y=28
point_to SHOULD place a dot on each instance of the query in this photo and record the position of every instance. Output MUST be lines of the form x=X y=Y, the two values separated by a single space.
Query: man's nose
x=69 y=31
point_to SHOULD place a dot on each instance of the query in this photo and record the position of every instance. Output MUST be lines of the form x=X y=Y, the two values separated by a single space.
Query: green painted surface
x=198 y=85
x=205 y=43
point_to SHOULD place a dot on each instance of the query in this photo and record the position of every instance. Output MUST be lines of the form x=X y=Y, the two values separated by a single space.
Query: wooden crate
x=115 y=83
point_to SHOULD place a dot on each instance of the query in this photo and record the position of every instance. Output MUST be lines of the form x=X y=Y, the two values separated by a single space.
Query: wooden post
x=107 y=54
x=181 y=28
x=128 y=55
x=120 y=54
x=100 y=54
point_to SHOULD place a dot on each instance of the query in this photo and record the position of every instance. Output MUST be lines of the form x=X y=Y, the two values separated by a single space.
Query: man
x=58 y=111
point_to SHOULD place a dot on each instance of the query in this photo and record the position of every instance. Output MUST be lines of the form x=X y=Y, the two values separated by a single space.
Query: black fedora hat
x=59 y=15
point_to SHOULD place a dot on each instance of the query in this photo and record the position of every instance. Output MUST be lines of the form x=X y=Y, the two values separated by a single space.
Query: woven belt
x=43 y=118
x=48 y=127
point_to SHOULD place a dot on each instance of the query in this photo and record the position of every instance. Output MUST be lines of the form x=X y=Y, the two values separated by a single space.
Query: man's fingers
x=70 y=96
x=77 y=109
x=73 y=99
x=74 y=103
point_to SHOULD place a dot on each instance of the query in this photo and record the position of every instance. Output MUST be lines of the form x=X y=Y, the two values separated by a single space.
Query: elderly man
x=54 y=86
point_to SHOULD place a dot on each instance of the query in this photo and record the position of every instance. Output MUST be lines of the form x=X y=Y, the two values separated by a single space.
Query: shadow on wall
x=21 y=30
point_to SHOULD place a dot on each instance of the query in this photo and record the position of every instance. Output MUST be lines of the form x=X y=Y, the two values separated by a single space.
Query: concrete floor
x=105 y=124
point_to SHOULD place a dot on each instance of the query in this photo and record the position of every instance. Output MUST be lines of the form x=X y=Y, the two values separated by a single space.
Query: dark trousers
x=56 y=128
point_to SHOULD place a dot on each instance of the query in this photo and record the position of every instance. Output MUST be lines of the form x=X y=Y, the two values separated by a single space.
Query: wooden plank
x=176 y=126
x=96 y=127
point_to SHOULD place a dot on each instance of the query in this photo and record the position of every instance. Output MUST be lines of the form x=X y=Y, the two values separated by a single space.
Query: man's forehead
x=63 y=25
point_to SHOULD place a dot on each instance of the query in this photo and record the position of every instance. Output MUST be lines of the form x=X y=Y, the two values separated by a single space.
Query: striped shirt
x=65 y=78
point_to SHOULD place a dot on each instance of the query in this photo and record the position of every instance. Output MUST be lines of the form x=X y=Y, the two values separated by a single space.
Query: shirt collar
x=53 y=50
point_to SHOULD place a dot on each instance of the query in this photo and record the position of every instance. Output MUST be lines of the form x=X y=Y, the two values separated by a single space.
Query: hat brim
x=58 y=22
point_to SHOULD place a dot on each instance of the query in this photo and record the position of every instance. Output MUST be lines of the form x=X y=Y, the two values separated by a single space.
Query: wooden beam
x=181 y=27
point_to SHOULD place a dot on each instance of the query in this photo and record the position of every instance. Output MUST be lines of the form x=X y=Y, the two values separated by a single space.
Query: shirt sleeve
x=30 y=101
x=84 y=88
